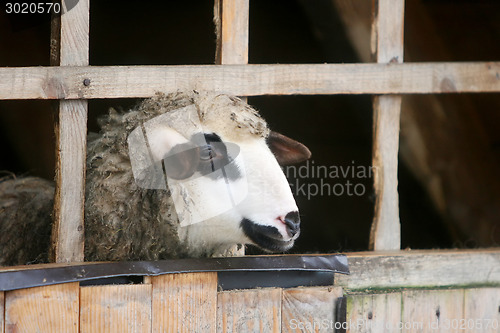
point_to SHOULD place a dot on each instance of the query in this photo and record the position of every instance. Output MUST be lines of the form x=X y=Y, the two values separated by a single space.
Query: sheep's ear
x=180 y=156
x=286 y=150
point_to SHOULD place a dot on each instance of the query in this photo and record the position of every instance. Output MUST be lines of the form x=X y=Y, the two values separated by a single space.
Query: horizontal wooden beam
x=88 y=82
x=422 y=268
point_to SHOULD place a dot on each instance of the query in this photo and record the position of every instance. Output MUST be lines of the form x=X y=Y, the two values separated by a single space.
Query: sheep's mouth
x=266 y=237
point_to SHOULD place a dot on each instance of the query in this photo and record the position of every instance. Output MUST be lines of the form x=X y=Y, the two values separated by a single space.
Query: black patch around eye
x=220 y=154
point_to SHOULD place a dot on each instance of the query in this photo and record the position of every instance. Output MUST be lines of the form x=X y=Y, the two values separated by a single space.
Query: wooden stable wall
x=186 y=302
x=399 y=291
x=400 y=287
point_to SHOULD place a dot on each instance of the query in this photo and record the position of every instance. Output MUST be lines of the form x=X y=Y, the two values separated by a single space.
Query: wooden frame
x=72 y=82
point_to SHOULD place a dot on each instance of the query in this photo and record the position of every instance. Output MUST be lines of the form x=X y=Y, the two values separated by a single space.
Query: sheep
x=185 y=174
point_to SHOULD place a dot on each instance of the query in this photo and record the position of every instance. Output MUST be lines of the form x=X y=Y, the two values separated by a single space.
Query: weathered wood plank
x=115 y=308
x=2 y=312
x=43 y=309
x=70 y=47
x=428 y=268
x=248 y=80
x=231 y=19
x=387 y=47
x=374 y=313
x=257 y=310
x=432 y=310
x=482 y=310
x=184 y=302
x=309 y=309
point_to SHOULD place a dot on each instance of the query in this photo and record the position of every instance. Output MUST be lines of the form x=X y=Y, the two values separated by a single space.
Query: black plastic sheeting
x=284 y=265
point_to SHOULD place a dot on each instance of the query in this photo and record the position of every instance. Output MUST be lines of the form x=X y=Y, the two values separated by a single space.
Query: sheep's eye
x=206 y=153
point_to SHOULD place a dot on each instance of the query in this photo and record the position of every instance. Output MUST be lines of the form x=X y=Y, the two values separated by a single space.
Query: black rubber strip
x=26 y=278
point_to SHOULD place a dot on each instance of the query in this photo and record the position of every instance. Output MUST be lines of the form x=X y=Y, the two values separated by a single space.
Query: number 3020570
x=32 y=8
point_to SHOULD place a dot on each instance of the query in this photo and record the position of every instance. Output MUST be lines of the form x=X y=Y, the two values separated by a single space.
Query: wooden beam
x=231 y=18
x=248 y=80
x=70 y=47
x=424 y=268
x=387 y=46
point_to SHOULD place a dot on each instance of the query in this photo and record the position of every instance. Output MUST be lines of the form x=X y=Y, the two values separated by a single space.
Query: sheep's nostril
x=292 y=222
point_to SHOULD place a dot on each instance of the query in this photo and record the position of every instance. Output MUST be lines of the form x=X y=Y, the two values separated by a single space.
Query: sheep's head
x=222 y=165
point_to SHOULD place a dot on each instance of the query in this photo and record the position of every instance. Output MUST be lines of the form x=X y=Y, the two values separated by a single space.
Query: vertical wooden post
x=70 y=47
x=231 y=18
x=387 y=47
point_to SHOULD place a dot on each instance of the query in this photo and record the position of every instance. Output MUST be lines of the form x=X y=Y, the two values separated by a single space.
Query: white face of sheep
x=224 y=192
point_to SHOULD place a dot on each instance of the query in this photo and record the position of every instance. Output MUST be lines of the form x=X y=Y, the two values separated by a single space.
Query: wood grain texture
x=2 y=312
x=374 y=313
x=248 y=80
x=70 y=47
x=482 y=310
x=184 y=302
x=431 y=268
x=386 y=229
x=43 y=309
x=115 y=308
x=309 y=309
x=432 y=310
x=257 y=310
x=231 y=18
x=387 y=47
x=234 y=32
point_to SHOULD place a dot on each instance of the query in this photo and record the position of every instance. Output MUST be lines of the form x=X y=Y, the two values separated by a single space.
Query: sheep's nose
x=292 y=222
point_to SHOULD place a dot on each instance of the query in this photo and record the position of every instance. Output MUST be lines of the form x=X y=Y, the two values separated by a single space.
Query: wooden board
x=70 y=47
x=309 y=309
x=231 y=18
x=43 y=309
x=374 y=313
x=424 y=268
x=387 y=47
x=115 y=308
x=2 y=312
x=249 y=311
x=184 y=302
x=432 y=310
x=248 y=80
x=482 y=310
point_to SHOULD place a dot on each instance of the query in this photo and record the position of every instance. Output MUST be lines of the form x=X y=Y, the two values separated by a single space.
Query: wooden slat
x=374 y=313
x=429 y=268
x=184 y=302
x=248 y=80
x=43 y=309
x=482 y=310
x=257 y=310
x=70 y=47
x=309 y=309
x=2 y=312
x=432 y=310
x=387 y=46
x=115 y=308
x=231 y=19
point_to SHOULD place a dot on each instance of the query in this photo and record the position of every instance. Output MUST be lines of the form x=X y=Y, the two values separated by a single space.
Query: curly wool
x=126 y=222
x=25 y=221
x=122 y=220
